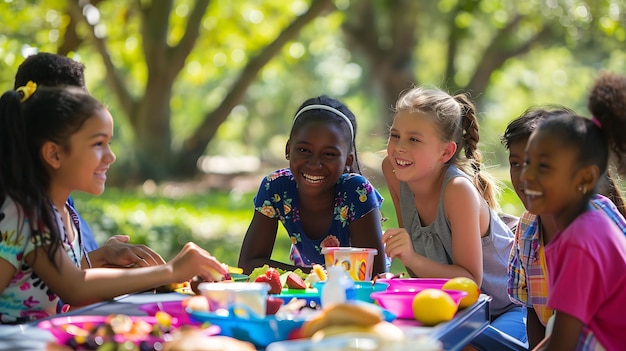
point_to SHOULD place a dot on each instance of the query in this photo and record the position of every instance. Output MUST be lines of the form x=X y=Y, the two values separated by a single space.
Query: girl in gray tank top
x=435 y=242
x=446 y=206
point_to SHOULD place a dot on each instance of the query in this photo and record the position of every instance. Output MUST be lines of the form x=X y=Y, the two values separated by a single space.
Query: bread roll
x=343 y=314
x=191 y=339
x=383 y=331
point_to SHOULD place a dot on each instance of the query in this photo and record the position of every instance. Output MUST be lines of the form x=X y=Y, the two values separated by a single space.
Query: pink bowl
x=64 y=328
x=400 y=302
x=414 y=284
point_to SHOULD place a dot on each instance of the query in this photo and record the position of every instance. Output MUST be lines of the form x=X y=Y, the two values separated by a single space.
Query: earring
x=287 y=156
x=582 y=189
x=347 y=169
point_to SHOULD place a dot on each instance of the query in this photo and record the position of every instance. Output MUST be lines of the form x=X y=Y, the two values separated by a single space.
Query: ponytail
x=13 y=148
x=485 y=184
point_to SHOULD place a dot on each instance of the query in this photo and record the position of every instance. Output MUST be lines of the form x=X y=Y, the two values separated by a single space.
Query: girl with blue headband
x=322 y=199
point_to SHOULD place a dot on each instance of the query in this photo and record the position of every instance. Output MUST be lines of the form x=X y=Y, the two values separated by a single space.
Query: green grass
x=215 y=220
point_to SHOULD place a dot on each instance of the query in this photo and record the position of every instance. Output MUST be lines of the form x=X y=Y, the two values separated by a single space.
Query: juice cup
x=359 y=262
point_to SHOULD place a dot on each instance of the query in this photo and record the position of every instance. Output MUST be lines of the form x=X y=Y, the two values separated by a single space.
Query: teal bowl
x=363 y=289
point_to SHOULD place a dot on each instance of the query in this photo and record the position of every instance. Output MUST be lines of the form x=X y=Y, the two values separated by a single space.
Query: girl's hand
x=117 y=252
x=192 y=260
x=398 y=244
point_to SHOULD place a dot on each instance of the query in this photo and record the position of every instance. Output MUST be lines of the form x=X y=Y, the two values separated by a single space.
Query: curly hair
x=49 y=69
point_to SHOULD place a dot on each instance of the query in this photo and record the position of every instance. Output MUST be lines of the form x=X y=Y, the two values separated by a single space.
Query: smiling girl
x=54 y=141
x=445 y=203
x=566 y=158
x=321 y=199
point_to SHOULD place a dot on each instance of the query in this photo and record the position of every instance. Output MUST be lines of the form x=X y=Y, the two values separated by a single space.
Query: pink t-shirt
x=587 y=276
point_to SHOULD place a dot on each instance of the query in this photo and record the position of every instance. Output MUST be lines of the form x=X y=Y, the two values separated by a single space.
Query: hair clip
x=27 y=90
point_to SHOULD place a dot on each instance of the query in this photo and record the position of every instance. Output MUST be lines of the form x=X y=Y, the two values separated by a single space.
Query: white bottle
x=339 y=287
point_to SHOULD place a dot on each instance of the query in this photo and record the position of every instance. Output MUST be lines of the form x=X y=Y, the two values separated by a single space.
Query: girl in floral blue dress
x=322 y=200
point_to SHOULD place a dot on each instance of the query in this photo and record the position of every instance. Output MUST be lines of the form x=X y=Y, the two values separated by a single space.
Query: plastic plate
x=174 y=308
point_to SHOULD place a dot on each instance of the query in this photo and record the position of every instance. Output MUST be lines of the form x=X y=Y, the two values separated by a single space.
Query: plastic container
x=363 y=289
x=338 y=288
x=358 y=262
x=222 y=296
x=400 y=302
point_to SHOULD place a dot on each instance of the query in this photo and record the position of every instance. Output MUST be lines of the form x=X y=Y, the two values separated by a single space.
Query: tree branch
x=195 y=145
x=496 y=54
x=179 y=54
x=71 y=39
x=113 y=76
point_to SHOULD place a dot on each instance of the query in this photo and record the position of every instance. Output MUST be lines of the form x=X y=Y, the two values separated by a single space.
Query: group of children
x=449 y=218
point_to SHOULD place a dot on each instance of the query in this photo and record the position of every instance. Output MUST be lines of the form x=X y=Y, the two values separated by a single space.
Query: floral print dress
x=278 y=198
x=27 y=297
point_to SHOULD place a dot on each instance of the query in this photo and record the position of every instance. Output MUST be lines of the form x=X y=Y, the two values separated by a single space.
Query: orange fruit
x=464 y=284
x=433 y=306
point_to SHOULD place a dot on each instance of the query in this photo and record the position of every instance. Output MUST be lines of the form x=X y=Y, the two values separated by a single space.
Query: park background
x=203 y=92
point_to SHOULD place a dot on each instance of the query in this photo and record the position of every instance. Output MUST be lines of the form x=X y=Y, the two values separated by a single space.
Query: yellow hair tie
x=27 y=90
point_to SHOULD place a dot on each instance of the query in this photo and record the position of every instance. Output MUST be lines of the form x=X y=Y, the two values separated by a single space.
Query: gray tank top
x=435 y=242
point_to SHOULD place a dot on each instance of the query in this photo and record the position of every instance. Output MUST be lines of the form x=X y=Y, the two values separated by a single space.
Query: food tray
x=261 y=331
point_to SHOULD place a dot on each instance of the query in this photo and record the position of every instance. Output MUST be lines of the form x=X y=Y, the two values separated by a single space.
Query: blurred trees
x=471 y=39
x=165 y=47
x=228 y=75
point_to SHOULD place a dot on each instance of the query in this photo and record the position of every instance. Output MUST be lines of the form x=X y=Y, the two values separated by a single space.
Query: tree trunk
x=388 y=49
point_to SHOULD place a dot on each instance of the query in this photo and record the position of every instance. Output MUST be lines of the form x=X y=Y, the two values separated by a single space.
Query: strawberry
x=272 y=278
x=272 y=304
x=276 y=286
x=295 y=282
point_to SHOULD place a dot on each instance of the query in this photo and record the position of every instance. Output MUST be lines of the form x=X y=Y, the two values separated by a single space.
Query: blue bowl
x=363 y=289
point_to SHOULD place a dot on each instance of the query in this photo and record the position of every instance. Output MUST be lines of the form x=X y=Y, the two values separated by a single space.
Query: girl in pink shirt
x=586 y=256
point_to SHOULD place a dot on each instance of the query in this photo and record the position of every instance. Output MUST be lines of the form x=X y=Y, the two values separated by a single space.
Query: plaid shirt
x=528 y=284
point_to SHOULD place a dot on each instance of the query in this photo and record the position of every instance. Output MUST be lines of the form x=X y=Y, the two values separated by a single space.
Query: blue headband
x=327 y=108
